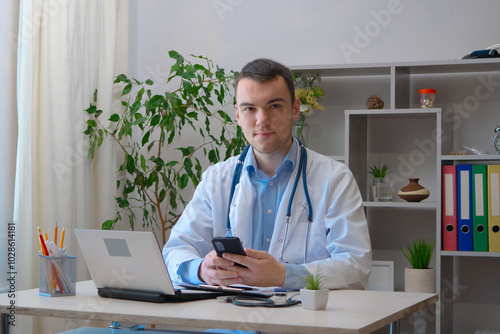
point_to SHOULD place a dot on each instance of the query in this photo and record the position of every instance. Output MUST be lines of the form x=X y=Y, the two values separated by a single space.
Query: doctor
x=334 y=242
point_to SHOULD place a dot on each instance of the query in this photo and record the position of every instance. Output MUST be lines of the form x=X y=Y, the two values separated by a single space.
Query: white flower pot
x=420 y=280
x=314 y=299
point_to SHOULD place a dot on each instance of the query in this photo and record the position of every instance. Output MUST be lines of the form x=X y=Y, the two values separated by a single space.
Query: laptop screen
x=124 y=260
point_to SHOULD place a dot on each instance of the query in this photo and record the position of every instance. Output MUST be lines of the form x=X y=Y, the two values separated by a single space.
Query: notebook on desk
x=129 y=265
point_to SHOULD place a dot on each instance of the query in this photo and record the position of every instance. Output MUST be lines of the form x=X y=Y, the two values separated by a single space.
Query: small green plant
x=312 y=282
x=419 y=254
x=380 y=172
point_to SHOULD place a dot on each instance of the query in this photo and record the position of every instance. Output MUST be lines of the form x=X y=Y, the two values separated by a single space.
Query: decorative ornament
x=374 y=102
x=413 y=192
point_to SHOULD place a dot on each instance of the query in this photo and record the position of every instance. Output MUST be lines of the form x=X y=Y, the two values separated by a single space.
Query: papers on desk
x=239 y=289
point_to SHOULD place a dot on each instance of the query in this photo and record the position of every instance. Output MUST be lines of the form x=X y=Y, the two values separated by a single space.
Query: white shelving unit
x=417 y=142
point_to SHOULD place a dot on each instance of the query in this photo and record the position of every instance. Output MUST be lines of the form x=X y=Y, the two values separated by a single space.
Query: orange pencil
x=55 y=233
x=61 y=242
x=45 y=234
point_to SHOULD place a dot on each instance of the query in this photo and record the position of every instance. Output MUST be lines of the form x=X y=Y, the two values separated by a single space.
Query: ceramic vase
x=413 y=192
x=314 y=299
x=420 y=280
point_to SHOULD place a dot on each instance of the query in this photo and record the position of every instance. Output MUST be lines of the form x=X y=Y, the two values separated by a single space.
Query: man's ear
x=296 y=109
x=237 y=114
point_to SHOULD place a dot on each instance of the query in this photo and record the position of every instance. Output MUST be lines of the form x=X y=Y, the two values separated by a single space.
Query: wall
x=295 y=32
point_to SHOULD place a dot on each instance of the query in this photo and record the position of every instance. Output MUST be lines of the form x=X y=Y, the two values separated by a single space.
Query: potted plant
x=155 y=169
x=312 y=296
x=382 y=184
x=419 y=277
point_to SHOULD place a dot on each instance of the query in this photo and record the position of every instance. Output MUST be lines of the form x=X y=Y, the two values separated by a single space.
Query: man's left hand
x=262 y=269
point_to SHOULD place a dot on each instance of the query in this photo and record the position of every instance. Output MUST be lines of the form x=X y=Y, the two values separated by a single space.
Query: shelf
x=427 y=67
x=470 y=254
x=401 y=205
x=487 y=157
x=413 y=112
x=415 y=142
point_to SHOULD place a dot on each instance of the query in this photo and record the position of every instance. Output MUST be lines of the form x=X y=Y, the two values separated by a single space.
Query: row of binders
x=471 y=208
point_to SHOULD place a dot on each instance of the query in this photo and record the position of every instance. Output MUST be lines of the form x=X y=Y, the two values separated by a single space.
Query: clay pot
x=413 y=192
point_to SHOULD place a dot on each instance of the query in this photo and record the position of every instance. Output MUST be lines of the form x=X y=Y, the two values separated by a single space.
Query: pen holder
x=57 y=275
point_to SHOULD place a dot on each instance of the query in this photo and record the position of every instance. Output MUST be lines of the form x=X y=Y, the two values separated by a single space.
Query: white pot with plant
x=312 y=296
x=382 y=184
x=419 y=277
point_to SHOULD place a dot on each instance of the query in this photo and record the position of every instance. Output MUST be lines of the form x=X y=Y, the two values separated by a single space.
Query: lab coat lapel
x=299 y=204
x=241 y=211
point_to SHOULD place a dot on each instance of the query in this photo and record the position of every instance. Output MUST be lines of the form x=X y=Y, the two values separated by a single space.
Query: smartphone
x=229 y=245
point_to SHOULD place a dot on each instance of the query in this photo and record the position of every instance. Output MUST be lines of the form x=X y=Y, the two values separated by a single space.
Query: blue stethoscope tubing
x=300 y=172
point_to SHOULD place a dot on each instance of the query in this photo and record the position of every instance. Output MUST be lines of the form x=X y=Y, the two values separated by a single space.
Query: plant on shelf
x=309 y=95
x=156 y=169
x=382 y=184
x=313 y=296
x=419 y=253
x=380 y=172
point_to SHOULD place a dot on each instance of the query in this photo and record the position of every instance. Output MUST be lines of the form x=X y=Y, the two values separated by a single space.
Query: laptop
x=129 y=265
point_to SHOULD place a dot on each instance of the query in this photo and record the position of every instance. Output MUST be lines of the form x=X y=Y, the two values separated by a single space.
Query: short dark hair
x=262 y=70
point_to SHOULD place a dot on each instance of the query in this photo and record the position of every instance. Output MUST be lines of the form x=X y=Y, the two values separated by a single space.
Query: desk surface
x=348 y=311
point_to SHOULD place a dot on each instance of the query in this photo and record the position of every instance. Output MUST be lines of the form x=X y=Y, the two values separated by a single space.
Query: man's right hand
x=216 y=270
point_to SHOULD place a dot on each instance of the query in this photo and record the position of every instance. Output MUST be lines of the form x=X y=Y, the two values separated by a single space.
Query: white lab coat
x=339 y=244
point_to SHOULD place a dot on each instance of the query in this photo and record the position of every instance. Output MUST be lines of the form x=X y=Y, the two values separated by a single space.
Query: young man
x=335 y=243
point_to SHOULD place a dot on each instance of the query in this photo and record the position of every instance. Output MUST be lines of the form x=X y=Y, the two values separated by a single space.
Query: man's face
x=266 y=114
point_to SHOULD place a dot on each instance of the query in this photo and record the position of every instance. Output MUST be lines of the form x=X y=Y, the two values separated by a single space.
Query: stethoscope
x=301 y=171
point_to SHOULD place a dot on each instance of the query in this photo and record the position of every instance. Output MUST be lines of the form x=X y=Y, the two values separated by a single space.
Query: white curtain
x=65 y=50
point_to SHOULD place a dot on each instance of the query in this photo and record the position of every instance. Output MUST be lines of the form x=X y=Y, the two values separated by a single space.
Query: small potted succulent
x=419 y=277
x=382 y=184
x=313 y=296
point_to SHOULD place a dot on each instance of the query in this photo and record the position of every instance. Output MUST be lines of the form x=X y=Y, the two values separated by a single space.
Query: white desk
x=348 y=311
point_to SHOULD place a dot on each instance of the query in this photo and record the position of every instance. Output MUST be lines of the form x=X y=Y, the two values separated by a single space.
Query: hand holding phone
x=229 y=245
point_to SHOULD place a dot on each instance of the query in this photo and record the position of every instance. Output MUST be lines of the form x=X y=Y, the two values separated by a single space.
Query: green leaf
x=140 y=121
x=121 y=78
x=143 y=162
x=89 y=130
x=149 y=82
x=91 y=110
x=188 y=88
x=155 y=120
x=107 y=225
x=127 y=89
x=224 y=115
x=212 y=156
x=171 y=163
x=114 y=118
x=186 y=151
x=145 y=138
x=183 y=182
x=130 y=164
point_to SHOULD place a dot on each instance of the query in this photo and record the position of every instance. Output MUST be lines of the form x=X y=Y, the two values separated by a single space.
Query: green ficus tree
x=151 y=124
